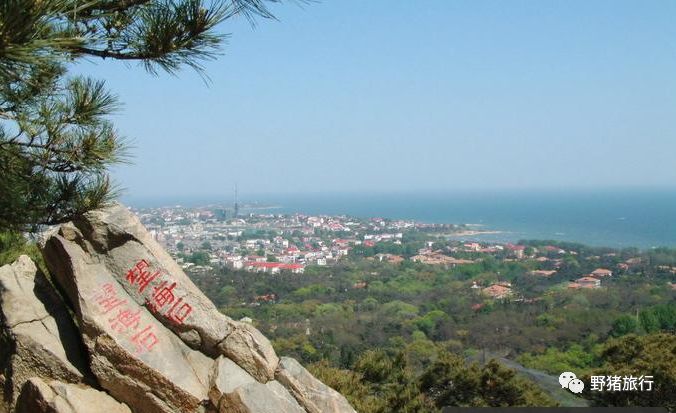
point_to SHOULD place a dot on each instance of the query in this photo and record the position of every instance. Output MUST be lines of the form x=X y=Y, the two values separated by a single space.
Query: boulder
x=134 y=356
x=114 y=242
x=153 y=340
x=311 y=393
x=251 y=350
x=37 y=396
x=256 y=397
x=37 y=334
x=226 y=376
x=234 y=390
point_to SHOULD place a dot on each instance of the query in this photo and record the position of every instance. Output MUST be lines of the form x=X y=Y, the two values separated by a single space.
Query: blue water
x=636 y=218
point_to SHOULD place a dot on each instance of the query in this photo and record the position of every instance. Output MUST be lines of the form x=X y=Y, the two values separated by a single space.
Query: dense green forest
x=394 y=337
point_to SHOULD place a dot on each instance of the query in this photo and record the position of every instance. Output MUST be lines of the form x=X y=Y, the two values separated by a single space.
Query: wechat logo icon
x=576 y=386
x=569 y=380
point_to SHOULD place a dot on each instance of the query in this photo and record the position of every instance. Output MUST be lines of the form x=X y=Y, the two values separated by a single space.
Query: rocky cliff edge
x=119 y=327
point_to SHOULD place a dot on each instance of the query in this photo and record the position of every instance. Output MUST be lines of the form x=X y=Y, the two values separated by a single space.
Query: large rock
x=233 y=390
x=154 y=341
x=256 y=397
x=115 y=243
x=311 y=393
x=134 y=356
x=38 y=336
x=58 y=397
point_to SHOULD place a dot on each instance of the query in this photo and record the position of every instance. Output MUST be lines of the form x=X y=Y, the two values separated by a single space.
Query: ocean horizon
x=611 y=218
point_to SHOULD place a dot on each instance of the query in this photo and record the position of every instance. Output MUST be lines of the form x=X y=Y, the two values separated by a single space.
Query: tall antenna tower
x=236 y=207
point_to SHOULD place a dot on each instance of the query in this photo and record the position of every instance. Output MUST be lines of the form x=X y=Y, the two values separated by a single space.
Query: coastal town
x=266 y=242
x=204 y=238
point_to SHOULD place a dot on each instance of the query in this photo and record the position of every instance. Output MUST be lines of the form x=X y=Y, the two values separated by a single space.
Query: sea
x=612 y=218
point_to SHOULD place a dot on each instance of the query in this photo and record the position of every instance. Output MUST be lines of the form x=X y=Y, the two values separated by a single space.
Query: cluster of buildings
x=202 y=238
x=503 y=290
x=266 y=243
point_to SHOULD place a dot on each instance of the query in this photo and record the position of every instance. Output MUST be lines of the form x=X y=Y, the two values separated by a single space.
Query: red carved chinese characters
x=144 y=340
x=179 y=314
x=126 y=321
x=107 y=298
x=140 y=274
x=162 y=297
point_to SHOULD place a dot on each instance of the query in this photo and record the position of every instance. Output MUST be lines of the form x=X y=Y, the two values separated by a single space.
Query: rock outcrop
x=58 y=397
x=233 y=390
x=133 y=332
x=310 y=392
x=37 y=335
x=115 y=243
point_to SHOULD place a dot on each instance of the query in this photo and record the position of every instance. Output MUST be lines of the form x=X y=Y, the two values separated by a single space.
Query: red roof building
x=273 y=267
x=602 y=272
x=497 y=291
x=585 y=282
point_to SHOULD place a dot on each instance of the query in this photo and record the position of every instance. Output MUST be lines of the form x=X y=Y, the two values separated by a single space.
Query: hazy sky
x=383 y=96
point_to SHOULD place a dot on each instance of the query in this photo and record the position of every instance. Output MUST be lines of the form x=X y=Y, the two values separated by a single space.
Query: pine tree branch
x=47 y=147
x=7 y=116
x=117 y=6
x=56 y=142
x=117 y=55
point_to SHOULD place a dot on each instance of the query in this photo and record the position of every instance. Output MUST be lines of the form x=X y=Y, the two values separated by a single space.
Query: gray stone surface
x=234 y=390
x=282 y=394
x=153 y=340
x=133 y=356
x=311 y=393
x=226 y=376
x=38 y=336
x=256 y=397
x=251 y=350
x=37 y=396
x=115 y=240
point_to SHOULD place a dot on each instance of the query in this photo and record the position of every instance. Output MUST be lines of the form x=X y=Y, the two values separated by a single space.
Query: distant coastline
x=617 y=219
x=472 y=233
